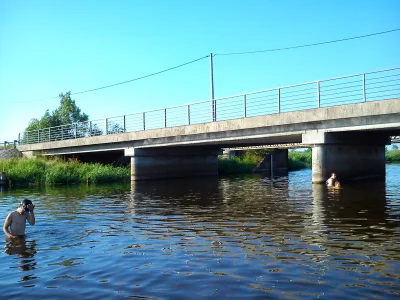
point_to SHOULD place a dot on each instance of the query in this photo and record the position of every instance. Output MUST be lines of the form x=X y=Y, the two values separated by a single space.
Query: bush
x=299 y=160
x=393 y=155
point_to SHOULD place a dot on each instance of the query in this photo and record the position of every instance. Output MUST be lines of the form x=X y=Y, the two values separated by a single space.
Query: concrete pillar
x=319 y=169
x=275 y=163
x=351 y=156
x=227 y=154
x=172 y=162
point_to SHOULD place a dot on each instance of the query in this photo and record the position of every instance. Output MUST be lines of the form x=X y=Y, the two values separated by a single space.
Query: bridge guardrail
x=371 y=86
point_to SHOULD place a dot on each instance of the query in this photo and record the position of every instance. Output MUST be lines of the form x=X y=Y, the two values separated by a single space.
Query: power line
x=309 y=45
x=222 y=54
x=119 y=83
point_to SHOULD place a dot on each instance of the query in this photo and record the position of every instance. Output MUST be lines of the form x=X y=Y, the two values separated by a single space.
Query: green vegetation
x=299 y=160
x=393 y=155
x=67 y=113
x=41 y=170
x=243 y=162
x=247 y=160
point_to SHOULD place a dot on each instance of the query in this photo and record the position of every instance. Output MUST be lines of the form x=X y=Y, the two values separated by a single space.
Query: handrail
x=314 y=94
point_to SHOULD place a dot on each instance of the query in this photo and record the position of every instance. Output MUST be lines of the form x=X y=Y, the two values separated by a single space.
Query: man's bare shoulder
x=12 y=214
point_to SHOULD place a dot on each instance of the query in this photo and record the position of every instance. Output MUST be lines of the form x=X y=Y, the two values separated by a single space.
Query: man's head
x=333 y=175
x=24 y=204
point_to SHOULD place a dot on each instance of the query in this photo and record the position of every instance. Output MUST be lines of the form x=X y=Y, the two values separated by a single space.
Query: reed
x=40 y=170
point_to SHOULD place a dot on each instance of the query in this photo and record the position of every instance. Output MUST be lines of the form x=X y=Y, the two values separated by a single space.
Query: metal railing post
x=215 y=111
x=49 y=134
x=144 y=121
x=124 y=124
x=188 y=114
x=106 y=126
x=19 y=138
x=38 y=134
x=75 y=130
x=245 y=106
x=90 y=128
x=62 y=132
x=165 y=118
x=279 y=100
x=318 y=95
x=364 y=92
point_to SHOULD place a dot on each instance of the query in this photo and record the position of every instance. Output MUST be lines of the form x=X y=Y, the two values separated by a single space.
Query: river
x=243 y=237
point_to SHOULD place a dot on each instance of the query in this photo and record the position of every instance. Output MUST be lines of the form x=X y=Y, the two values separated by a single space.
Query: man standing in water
x=332 y=181
x=15 y=223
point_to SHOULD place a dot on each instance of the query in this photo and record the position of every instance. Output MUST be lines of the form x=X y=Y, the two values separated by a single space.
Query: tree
x=67 y=113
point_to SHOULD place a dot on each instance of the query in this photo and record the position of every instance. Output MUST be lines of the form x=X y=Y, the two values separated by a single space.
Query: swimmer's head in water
x=25 y=204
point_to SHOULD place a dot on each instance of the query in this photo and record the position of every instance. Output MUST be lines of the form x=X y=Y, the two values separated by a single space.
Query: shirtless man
x=332 y=181
x=15 y=223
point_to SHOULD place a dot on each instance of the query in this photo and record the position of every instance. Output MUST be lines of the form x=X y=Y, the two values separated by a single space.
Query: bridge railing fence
x=383 y=85
x=177 y=116
x=200 y=112
x=377 y=85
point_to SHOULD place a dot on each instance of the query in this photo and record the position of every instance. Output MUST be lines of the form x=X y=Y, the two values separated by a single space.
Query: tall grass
x=41 y=170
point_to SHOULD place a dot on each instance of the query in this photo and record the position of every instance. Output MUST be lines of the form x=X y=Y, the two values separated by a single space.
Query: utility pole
x=213 y=110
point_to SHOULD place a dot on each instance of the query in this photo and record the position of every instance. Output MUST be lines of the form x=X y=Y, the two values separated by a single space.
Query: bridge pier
x=172 y=162
x=351 y=155
x=275 y=163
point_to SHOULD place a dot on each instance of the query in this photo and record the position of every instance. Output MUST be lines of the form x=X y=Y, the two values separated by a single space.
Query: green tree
x=67 y=113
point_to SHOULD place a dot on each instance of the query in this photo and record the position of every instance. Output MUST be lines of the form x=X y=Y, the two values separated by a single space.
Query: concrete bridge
x=347 y=121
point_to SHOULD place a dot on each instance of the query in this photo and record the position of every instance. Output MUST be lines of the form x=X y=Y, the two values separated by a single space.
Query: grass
x=299 y=160
x=393 y=156
x=41 y=170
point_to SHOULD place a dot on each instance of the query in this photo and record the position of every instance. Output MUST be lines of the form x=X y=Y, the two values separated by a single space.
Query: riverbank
x=41 y=170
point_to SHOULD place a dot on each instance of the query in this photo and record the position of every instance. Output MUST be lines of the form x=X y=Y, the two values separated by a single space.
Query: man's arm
x=31 y=216
x=6 y=225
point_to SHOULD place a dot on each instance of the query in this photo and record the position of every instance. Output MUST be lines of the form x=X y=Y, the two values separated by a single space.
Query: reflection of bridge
x=347 y=121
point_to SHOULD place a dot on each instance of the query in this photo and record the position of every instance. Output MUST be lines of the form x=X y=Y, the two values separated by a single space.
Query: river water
x=244 y=237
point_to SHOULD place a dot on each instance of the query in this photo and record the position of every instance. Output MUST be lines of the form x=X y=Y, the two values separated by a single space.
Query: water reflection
x=362 y=204
x=245 y=237
x=25 y=250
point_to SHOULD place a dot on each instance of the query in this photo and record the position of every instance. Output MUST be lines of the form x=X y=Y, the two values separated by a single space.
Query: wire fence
x=372 y=86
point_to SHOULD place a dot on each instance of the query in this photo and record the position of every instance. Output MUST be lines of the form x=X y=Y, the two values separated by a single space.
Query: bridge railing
x=371 y=86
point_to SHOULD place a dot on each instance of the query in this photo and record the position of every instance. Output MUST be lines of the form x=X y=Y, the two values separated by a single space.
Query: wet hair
x=26 y=202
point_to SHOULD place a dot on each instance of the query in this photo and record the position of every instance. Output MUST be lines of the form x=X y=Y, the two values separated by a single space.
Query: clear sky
x=49 y=47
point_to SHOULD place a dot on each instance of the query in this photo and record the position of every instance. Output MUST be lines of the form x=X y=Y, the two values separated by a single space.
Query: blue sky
x=49 y=47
